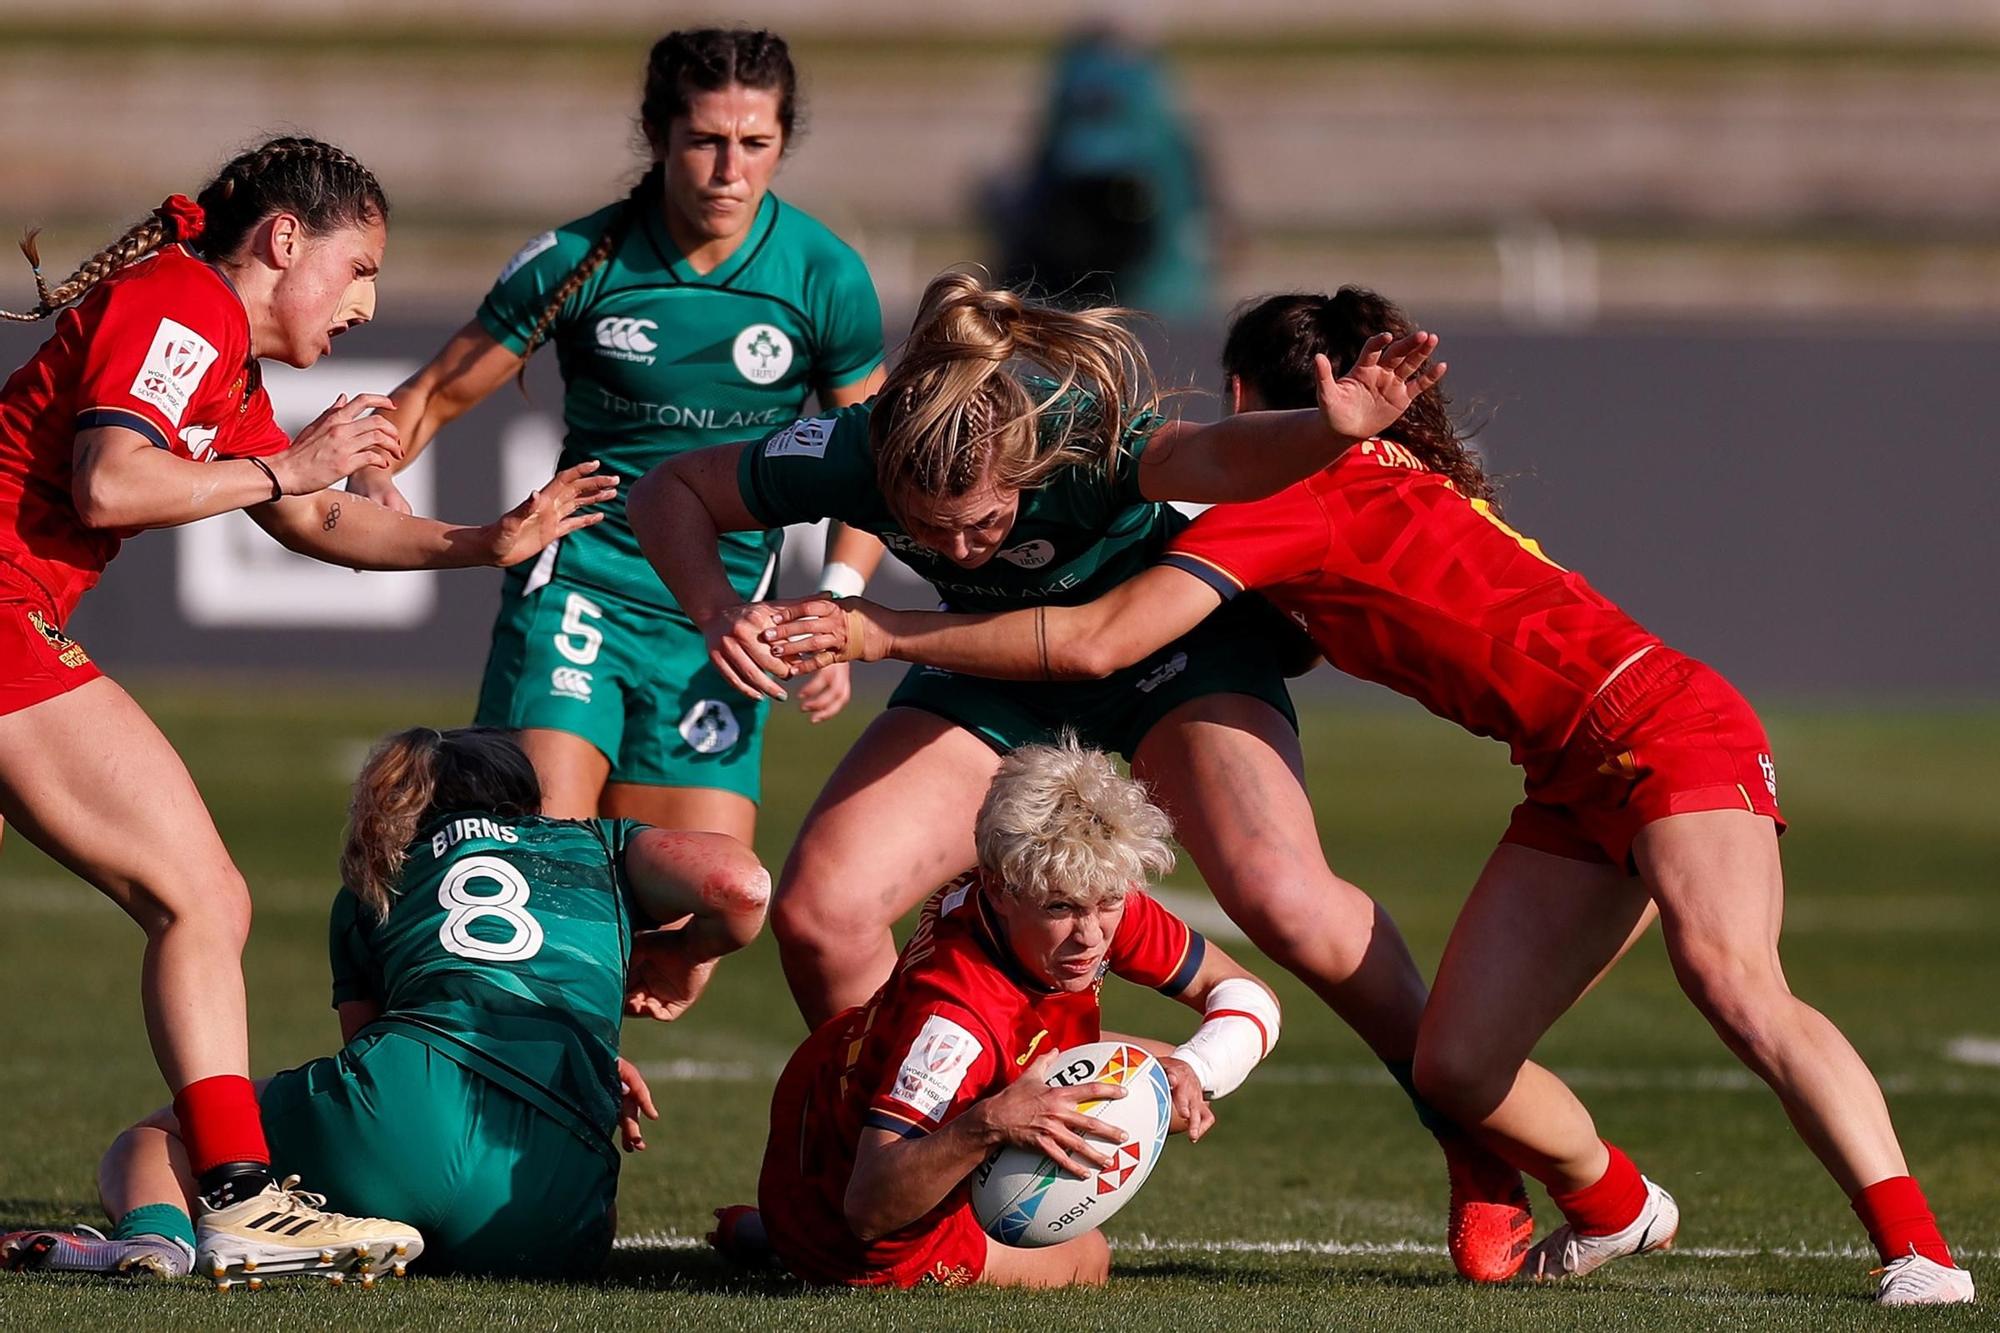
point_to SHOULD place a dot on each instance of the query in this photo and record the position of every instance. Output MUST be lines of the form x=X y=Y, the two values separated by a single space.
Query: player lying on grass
x=480 y=954
x=1015 y=456
x=1650 y=786
x=882 y=1115
x=145 y=409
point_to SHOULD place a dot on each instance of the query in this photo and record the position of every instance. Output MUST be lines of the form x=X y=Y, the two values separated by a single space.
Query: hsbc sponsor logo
x=935 y=1068
x=1770 y=770
x=570 y=683
x=626 y=339
x=173 y=368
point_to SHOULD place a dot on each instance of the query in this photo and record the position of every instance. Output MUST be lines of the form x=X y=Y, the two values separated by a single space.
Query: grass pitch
x=1317 y=1203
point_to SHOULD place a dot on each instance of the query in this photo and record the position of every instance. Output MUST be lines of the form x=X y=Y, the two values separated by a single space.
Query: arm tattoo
x=1042 y=638
x=332 y=518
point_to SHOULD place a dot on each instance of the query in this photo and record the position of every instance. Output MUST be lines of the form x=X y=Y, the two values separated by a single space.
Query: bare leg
x=1083 y=1262
x=145 y=1165
x=1721 y=893
x=572 y=770
x=90 y=780
x=698 y=809
x=1227 y=767
x=1536 y=934
x=894 y=823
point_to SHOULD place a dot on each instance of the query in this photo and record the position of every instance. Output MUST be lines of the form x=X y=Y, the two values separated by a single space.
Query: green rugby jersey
x=504 y=950
x=1080 y=534
x=657 y=359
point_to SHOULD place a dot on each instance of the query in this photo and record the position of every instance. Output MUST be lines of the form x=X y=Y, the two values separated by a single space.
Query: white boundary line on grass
x=1379 y=1249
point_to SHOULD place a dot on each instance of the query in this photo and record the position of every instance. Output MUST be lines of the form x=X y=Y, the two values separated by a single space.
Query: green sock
x=156 y=1219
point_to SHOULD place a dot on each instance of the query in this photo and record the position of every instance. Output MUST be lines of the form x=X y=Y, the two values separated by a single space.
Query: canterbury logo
x=626 y=335
x=570 y=683
x=281 y=1224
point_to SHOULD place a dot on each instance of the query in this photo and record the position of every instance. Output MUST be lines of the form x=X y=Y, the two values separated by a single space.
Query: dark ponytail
x=322 y=186
x=1271 y=346
x=682 y=63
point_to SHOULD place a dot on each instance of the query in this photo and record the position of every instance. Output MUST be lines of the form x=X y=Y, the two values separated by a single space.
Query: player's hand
x=826 y=693
x=1031 y=1114
x=814 y=633
x=636 y=1099
x=379 y=484
x=549 y=514
x=663 y=979
x=1385 y=379
x=736 y=646
x=337 y=443
x=1192 y=1115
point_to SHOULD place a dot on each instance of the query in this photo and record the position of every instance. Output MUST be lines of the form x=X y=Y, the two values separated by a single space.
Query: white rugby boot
x=284 y=1230
x=1915 y=1280
x=1566 y=1254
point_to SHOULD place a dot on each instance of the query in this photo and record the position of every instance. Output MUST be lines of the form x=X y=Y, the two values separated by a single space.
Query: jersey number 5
x=509 y=904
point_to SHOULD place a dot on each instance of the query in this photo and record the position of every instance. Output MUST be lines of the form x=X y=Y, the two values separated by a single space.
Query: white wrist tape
x=840 y=579
x=1239 y=1027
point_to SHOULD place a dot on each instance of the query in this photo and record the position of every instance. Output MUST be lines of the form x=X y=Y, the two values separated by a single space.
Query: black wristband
x=277 y=491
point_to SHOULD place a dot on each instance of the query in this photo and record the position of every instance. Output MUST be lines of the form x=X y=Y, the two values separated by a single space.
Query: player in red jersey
x=144 y=410
x=1650 y=787
x=882 y=1115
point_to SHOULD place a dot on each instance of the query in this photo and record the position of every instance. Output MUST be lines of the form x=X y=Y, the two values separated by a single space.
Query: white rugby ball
x=1022 y=1198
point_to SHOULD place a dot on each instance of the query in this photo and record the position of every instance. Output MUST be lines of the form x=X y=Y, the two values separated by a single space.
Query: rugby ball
x=1022 y=1198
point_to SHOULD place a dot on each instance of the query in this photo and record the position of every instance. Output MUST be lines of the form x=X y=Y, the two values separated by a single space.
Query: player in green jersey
x=699 y=311
x=480 y=969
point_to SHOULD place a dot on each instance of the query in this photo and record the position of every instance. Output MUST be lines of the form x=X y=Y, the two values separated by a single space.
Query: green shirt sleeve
x=357 y=973
x=849 y=319
x=820 y=467
x=521 y=293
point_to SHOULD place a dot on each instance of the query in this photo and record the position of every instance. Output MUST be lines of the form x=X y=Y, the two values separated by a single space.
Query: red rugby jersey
x=161 y=348
x=1400 y=579
x=957 y=1021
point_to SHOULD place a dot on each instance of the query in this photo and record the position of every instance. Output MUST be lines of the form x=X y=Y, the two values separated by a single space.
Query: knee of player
x=214 y=902
x=1093 y=1260
x=819 y=921
x=1455 y=1078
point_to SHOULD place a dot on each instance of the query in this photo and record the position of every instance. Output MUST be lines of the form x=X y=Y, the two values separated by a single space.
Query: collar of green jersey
x=676 y=263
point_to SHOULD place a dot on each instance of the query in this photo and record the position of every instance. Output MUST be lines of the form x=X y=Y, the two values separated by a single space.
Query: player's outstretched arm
x=679 y=511
x=344 y=529
x=1240 y=1022
x=1254 y=454
x=1145 y=613
x=713 y=881
x=460 y=377
x=897 y=1180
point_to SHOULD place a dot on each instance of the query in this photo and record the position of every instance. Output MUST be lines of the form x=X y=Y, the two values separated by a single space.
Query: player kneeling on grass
x=883 y=1115
x=480 y=954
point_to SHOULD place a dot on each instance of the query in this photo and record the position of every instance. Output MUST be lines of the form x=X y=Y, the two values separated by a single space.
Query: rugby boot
x=1490 y=1227
x=88 y=1250
x=284 y=1230
x=1565 y=1253
x=1915 y=1280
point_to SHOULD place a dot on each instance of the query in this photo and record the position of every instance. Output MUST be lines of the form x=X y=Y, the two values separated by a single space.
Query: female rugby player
x=882 y=1115
x=479 y=969
x=145 y=410
x=699 y=310
x=1004 y=492
x=1650 y=787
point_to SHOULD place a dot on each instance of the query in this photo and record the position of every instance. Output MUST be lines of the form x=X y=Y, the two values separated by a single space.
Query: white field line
x=1143 y=1244
x=1712 y=1079
x=1969 y=1050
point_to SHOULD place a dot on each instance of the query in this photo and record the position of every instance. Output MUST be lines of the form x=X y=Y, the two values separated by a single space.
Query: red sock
x=220 y=1122
x=1612 y=1204
x=1899 y=1220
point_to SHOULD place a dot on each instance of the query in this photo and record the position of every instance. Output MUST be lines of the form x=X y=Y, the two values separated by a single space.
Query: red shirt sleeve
x=1153 y=947
x=1236 y=547
x=943 y=1059
x=161 y=357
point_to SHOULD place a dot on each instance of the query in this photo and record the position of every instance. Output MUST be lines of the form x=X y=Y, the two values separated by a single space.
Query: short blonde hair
x=1060 y=821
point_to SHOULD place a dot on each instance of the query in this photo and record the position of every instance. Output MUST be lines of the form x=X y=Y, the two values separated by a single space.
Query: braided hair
x=325 y=188
x=682 y=63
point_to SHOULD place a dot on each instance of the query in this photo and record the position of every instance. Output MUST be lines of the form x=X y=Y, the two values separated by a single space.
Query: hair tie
x=184 y=218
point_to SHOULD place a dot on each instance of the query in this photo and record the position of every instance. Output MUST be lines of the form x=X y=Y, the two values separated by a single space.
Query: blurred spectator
x=1116 y=205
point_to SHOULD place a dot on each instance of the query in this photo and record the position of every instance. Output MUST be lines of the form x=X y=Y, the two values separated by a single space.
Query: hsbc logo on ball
x=625 y=339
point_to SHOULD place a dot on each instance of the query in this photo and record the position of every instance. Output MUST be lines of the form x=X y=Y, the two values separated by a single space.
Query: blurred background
x=1722 y=282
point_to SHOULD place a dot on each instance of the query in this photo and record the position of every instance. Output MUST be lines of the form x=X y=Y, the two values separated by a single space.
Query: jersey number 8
x=509 y=904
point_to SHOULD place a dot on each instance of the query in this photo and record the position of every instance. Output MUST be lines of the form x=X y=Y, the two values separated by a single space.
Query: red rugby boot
x=1490 y=1227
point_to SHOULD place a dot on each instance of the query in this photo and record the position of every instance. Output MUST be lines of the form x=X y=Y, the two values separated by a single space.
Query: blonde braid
x=141 y=240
